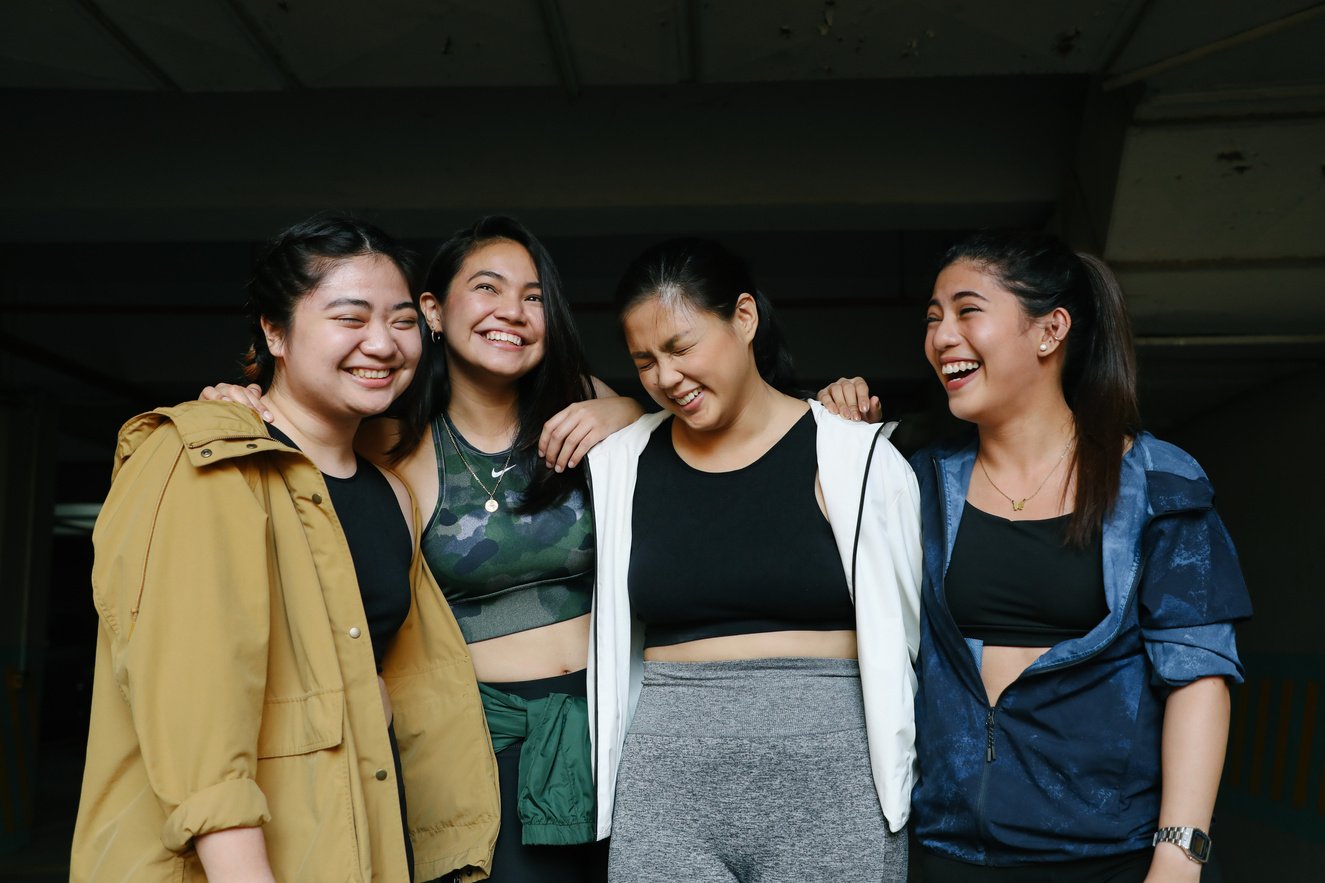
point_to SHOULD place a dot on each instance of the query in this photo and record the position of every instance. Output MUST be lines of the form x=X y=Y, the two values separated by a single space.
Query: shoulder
x=208 y=432
x=846 y=449
x=1161 y=456
x=1174 y=481
x=628 y=441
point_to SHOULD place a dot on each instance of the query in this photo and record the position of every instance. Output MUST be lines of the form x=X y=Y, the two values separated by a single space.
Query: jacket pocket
x=301 y=724
x=304 y=769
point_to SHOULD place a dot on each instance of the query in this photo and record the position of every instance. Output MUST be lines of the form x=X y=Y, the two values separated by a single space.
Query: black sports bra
x=731 y=553
x=1015 y=583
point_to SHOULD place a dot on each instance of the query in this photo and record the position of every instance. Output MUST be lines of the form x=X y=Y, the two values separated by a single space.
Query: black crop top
x=732 y=553
x=1015 y=584
x=380 y=546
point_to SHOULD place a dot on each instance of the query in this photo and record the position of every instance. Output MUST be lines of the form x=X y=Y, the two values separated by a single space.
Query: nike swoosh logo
x=498 y=473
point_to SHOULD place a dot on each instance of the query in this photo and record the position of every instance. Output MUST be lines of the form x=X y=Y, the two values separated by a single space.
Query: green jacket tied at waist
x=556 y=779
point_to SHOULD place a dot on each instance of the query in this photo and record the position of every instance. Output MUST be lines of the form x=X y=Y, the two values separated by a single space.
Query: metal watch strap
x=1194 y=842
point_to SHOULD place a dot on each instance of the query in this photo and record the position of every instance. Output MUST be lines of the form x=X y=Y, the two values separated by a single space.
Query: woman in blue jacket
x=1079 y=590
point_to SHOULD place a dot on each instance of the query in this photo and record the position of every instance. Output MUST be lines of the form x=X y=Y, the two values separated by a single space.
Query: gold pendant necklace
x=492 y=505
x=1018 y=505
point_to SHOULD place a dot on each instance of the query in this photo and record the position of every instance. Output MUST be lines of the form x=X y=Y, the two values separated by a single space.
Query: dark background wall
x=150 y=146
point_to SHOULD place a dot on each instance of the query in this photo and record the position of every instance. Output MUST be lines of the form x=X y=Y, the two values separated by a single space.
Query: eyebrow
x=668 y=345
x=364 y=305
x=498 y=276
x=934 y=301
x=346 y=302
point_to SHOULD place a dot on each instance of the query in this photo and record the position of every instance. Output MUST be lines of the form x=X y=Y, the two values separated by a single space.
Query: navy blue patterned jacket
x=1067 y=764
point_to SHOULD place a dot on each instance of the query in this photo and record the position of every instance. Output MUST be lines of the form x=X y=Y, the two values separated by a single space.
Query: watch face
x=1200 y=845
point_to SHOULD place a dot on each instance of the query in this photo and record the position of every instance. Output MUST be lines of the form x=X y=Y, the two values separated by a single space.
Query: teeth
x=958 y=367
x=502 y=335
x=370 y=373
x=689 y=397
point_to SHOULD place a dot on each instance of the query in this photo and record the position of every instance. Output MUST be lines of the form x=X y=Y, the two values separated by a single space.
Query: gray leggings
x=754 y=771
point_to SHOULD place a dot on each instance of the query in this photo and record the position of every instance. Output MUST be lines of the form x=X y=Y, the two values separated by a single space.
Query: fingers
x=576 y=444
x=875 y=414
x=549 y=440
x=848 y=397
x=250 y=396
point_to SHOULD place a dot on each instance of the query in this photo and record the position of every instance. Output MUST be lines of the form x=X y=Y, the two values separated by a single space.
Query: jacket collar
x=1152 y=482
x=210 y=432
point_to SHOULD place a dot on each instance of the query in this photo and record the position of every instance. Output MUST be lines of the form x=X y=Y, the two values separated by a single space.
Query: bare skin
x=484 y=419
x=677 y=352
x=1024 y=424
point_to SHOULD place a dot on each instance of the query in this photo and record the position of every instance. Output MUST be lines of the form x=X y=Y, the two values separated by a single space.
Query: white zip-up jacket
x=873 y=509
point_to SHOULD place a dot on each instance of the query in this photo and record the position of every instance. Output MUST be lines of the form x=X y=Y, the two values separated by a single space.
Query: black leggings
x=513 y=862
x=1130 y=867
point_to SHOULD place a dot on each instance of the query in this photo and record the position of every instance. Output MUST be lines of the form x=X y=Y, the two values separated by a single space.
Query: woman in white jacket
x=756 y=613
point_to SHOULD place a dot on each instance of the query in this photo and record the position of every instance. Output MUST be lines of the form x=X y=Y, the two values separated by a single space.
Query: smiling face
x=352 y=344
x=985 y=349
x=492 y=314
x=693 y=363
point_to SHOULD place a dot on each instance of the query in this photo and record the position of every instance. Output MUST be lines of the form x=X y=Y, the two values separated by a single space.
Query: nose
x=511 y=308
x=377 y=339
x=668 y=376
x=943 y=334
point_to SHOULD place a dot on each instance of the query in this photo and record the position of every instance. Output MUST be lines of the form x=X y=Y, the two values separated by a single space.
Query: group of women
x=439 y=646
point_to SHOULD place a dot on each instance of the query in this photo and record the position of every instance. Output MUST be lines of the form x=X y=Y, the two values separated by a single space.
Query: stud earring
x=1044 y=347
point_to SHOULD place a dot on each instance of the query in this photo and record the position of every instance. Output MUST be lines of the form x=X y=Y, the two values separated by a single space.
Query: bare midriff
x=761 y=645
x=1000 y=666
x=544 y=652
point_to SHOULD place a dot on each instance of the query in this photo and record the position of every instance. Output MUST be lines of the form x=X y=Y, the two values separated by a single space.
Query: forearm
x=235 y=854
x=1194 y=741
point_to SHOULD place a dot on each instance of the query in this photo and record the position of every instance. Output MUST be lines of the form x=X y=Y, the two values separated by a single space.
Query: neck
x=757 y=410
x=487 y=414
x=1027 y=440
x=328 y=442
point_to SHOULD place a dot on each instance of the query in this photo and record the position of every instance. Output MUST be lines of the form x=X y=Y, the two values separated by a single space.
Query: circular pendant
x=491 y=505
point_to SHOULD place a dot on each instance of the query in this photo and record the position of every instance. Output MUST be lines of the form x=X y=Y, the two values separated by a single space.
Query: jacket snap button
x=354 y=631
x=317 y=499
x=381 y=775
x=250 y=446
x=206 y=452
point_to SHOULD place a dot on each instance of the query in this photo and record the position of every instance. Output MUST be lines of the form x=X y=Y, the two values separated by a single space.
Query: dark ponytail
x=708 y=276
x=293 y=264
x=1099 y=371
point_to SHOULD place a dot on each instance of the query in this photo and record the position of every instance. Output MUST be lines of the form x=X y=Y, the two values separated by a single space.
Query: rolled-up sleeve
x=1191 y=593
x=182 y=583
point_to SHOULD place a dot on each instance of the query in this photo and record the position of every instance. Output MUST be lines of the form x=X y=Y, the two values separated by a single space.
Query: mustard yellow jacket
x=235 y=681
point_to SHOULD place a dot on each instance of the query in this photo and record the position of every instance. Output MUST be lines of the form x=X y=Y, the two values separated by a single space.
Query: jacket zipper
x=991 y=753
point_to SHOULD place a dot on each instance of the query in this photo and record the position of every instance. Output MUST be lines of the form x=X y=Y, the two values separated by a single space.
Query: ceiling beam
x=1185 y=58
x=267 y=50
x=1122 y=38
x=127 y=44
x=554 y=25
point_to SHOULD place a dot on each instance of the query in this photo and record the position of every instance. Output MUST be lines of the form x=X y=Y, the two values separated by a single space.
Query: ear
x=1054 y=328
x=745 y=318
x=275 y=336
x=432 y=311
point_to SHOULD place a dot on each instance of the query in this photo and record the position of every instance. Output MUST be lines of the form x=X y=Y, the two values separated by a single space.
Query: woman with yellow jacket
x=259 y=713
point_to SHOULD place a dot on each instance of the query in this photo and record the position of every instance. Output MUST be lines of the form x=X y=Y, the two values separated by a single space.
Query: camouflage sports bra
x=501 y=572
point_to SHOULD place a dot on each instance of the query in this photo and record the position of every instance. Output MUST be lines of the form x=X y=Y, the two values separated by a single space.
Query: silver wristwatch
x=1194 y=842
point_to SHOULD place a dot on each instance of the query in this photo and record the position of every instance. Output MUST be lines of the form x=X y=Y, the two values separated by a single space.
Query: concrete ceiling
x=151 y=143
